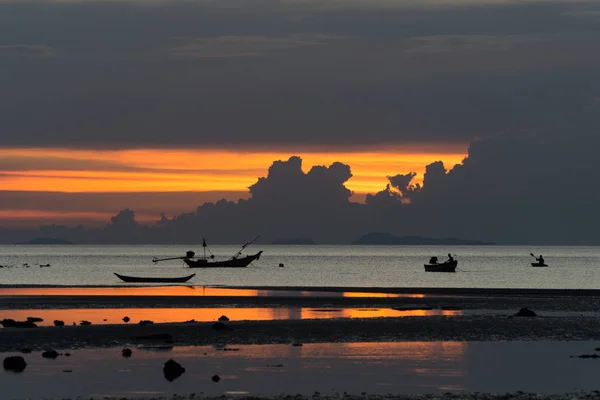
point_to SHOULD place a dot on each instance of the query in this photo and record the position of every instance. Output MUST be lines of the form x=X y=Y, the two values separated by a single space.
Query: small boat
x=140 y=279
x=442 y=267
x=209 y=261
x=538 y=265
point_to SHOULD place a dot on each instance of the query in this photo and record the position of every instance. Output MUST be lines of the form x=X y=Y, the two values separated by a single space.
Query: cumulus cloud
x=514 y=188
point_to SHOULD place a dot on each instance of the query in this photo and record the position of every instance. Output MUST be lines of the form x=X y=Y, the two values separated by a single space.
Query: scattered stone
x=223 y=318
x=34 y=319
x=297 y=344
x=126 y=352
x=126 y=319
x=172 y=370
x=15 y=364
x=525 y=312
x=67 y=354
x=67 y=370
x=219 y=326
x=26 y=350
x=50 y=354
x=85 y=323
x=146 y=322
x=216 y=378
x=58 y=322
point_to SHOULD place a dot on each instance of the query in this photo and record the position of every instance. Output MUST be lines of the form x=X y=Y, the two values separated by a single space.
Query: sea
x=307 y=266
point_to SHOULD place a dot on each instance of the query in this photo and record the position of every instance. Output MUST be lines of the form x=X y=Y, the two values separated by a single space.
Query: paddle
x=533 y=256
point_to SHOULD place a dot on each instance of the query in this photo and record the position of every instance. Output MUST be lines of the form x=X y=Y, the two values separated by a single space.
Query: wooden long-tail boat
x=236 y=261
x=141 y=279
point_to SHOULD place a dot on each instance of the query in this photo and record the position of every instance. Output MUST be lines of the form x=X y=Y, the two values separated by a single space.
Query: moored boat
x=140 y=279
x=442 y=267
x=236 y=261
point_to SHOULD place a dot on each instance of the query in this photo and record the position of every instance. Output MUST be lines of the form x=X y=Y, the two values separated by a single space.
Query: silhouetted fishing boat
x=140 y=279
x=209 y=261
x=443 y=267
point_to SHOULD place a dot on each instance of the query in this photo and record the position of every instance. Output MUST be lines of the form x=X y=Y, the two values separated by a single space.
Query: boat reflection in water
x=99 y=316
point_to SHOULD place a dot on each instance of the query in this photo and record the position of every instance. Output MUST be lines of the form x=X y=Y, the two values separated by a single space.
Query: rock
x=50 y=354
x=146 y=322
x=190 y=321
x=297 y=344
x=67 y=354
x=58 y=322
x=126 y=319
x=219 y=326
x=172 y=370
x=15 y=364
x=11 y=323
x=157 y=337
x=525 y=312
x=589 y=356
x=67 y=370
x=223 y=318
x=35 y=319
x=85 y=323
x=126 y=352
x=216 y=378
x=26 y=350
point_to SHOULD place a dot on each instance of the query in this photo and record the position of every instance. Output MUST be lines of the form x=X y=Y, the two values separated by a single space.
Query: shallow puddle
x=162 y=315
x=378 y=368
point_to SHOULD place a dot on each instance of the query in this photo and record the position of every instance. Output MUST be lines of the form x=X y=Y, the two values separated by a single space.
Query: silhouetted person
x=450 y=258
x=433 y=260
x=540 y=260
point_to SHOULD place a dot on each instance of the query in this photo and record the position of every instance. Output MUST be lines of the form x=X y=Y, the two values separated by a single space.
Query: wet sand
x=501 y=326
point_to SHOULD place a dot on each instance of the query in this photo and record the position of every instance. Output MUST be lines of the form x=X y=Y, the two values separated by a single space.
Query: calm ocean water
x=362 y=266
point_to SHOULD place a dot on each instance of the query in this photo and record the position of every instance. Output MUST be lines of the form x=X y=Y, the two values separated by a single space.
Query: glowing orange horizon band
x=174 y=170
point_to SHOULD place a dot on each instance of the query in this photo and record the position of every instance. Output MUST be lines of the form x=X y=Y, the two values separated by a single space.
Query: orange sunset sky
x=225 y=173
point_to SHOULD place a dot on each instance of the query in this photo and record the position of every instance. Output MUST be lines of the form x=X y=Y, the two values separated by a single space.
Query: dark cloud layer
x=514 y=188
x=282 y=74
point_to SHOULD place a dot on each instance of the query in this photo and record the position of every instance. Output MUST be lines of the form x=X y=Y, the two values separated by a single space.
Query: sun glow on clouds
x=153 y=170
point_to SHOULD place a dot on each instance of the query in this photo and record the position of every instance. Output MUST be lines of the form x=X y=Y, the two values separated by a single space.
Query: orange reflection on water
x=165 y=315
x=389 y=295
x=129 y=291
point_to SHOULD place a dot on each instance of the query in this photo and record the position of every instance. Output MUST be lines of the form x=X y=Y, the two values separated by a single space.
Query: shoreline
x=340 y=289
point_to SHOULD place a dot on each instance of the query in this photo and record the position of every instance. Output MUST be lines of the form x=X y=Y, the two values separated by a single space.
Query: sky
x=159 y=106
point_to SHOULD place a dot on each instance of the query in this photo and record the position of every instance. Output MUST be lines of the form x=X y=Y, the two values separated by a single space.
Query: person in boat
x=450 y=258
x=433 y=260
x=540 y=259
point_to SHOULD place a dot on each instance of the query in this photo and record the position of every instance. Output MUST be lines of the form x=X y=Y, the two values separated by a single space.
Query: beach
x=308 y=318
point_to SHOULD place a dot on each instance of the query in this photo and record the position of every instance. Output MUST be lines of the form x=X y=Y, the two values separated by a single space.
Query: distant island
x=47 y=240
x=388 y=239
x=299 y=240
